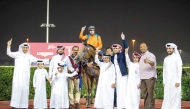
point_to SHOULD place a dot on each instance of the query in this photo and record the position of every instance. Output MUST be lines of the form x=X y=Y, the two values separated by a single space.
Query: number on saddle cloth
x=88 y=36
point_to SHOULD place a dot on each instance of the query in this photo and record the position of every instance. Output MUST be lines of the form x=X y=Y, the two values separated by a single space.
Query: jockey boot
x=77 y=105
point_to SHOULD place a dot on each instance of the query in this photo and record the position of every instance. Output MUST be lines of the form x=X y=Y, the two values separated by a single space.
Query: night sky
x=155 y=22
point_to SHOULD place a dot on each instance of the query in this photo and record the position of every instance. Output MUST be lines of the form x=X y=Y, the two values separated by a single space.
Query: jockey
x=92 y=38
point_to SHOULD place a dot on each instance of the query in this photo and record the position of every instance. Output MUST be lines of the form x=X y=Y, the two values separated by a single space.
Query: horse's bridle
x=86 y=51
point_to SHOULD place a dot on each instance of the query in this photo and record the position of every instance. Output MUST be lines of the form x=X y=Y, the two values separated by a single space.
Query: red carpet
x=5 y=104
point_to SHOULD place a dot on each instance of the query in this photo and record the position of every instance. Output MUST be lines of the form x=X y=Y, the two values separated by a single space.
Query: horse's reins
x=92 y=72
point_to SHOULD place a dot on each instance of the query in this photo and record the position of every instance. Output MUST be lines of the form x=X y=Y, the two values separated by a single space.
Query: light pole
x=27 y=40
x=180 y=51
x=47 y=25
x=133 y=43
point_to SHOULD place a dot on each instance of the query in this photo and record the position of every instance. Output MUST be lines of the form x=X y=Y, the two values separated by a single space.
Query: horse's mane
x=90 y=46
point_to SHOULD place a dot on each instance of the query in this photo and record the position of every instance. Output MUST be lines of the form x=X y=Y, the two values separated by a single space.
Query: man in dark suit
x=121 y=71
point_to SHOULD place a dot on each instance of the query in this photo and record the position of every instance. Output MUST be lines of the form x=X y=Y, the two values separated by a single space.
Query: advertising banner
x=47 y=50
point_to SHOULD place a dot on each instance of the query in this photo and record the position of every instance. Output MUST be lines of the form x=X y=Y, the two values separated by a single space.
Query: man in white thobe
x=59 y=92
x=56 y=59
x=39 y=84
x=21 y=76
x=172 y=72
x=105 y=89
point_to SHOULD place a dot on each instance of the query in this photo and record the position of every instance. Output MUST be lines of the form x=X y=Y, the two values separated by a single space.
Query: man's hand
x=49 y=79
x=50 y=83
x=146 y=60
x=122 y=36
x=177 y=84
x=83 y=28
x=34 y=88
x=90 y=64
x=113 y=86
x=9 y=43
x=138 y=86
x=77 y=70
x=163 y=85
x=126 y=50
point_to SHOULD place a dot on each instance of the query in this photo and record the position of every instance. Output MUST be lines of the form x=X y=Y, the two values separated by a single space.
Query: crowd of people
x=119 y=85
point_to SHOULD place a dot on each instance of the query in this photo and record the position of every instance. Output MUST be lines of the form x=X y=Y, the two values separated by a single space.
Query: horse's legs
x=96 y=87
x=91 y=88
x=89 y=91
x=84 y=77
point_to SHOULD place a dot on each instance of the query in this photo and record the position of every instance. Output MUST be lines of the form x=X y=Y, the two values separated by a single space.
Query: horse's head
x=87 y=54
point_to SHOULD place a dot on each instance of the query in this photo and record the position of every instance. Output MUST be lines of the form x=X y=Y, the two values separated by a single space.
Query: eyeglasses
x=91 y=30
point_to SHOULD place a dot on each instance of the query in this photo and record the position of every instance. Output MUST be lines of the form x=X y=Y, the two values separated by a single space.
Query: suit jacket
x=121 y=59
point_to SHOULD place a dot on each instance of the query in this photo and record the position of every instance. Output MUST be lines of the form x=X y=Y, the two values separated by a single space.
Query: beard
x=170 y=53
x=115 y=52
x=75 y=53
x=60 y=53
x=92 y=34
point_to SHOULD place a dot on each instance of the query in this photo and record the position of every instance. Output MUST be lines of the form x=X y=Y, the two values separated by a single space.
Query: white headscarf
x=172 y=45
x=22 y=45
x=110 y=63
x=40 y=61
x=60 y=65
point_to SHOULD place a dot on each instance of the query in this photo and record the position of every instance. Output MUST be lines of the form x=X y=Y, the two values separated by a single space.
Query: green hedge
x=6 y=74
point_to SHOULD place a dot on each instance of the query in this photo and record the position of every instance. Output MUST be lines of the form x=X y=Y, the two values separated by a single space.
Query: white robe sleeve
x=34 y=59
x=179 y=70
x=138 y=76
x=51 y=66
x=97 y=61
x=12 y=54
x=55 y=77
x=46 y=74
x=113 y=74
x=34 y=79
x=164 y=71
x=128 y=61
x=69 y=65
x=70 y=75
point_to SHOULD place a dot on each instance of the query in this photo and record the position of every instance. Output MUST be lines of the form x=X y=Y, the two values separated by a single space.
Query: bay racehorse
x=89 y=73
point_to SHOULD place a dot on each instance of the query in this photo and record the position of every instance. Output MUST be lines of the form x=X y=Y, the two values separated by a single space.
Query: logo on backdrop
x=47 y=50
x=51 y=47
x=44 y=54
